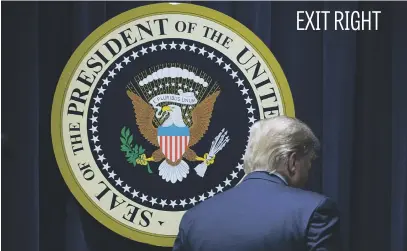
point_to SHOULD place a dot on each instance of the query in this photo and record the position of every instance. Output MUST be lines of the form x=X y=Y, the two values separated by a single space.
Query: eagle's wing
x=144 y=118
x=201 y=117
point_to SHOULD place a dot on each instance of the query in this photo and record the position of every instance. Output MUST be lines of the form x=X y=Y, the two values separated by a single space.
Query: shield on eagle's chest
x=173 y=141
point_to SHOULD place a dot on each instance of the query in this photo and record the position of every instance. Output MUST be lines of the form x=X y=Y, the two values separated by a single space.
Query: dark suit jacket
x=262 y=213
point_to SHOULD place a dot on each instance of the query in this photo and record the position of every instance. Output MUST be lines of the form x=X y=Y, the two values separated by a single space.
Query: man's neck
x=279 y=175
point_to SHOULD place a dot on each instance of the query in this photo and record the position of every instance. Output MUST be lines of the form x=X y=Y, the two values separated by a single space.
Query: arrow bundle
x=217 y=145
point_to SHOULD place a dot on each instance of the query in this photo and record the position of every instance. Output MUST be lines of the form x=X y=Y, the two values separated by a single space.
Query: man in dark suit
x=267 y=210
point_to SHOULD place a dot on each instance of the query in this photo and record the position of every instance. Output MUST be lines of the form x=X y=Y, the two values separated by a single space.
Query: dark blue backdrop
x=350 y=87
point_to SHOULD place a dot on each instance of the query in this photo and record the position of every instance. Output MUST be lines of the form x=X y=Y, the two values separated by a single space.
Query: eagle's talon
x=206 y=160
x=210 y=161
x=143 y=160
x=200 y=158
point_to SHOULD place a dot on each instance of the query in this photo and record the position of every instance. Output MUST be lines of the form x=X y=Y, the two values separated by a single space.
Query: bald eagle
x=173 y=132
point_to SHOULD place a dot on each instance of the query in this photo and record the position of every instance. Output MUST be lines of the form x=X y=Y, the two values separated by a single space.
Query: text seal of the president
x=151 y=115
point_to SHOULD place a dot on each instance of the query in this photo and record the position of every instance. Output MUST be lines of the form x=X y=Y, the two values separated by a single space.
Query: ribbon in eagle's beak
x=166 y=108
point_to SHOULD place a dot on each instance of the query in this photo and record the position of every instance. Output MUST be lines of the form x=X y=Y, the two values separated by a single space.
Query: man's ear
x=292 y=161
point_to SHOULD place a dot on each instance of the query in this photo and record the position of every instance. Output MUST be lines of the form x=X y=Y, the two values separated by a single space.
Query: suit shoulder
x=312 y=198
x=315 y=203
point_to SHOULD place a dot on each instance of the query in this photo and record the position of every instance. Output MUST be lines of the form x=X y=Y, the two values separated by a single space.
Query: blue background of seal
x=230 y=112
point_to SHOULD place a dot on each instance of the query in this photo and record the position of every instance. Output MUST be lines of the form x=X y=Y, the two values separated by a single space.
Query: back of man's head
x=273 y=141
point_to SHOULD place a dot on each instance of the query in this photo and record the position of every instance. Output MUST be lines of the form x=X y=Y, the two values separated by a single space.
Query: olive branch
x=134 y=153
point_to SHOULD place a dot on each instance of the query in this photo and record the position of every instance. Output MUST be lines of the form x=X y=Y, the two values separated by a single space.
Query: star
x=126 y=60
x=202 y=197
x=95 y=109
x=119 y=66
x=220 y=188
x=167 y=84
x=134 y=55
x=242 y=158
x=94 y=119
x=93 y=129
x=163 y=203
x=184 y=107
x=211 y=55
x=196 y=92
x=219 y=60
x=144 y=50
x=190 y=89
x=101 y=158
x=248 y=100
x=149 y=92
x=155 y=89
x=202 y=51
x=186 y=114
x=144 y=197
x=97 y=149
x=179 y=84
x=252 y=119
x=153 y=201
x=244 y=90
x=153 y=47
x=239 y=166
x=97 y=99
x=239 y=82
x=112 y=174
x=250 y=109
x=234 y=175
x=101 y=90
x=173 y=203
x=189 y=120
x=95 y=139
x=183 y=46
x=227 y=182
x=192 y=201
x=172 y=84
x=163 y=46
x=227 y=67
x=112 y=74
x=106 y=81
x=211 y=193
x=119 y=182
x=233 y=74
x=185 y=86
x=106 y=166
x=192 y=47
x=190 y=107
x=161 y=86
x=134 y=193
x=183 y=203
x=173 y=45
x=126 y=188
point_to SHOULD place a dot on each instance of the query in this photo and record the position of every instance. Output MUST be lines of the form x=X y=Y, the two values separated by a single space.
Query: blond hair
x=273 y=140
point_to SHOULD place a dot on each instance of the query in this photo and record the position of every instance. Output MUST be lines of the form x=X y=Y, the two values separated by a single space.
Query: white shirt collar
x=280 y=176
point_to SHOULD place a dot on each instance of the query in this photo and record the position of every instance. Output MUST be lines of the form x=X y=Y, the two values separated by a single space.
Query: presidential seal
x=152 y=113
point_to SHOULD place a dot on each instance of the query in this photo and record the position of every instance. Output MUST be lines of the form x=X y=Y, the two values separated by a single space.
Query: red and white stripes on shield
x=173 y=147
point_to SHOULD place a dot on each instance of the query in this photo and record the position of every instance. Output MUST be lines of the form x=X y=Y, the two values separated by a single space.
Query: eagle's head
x=175 y=116
x=172 y=109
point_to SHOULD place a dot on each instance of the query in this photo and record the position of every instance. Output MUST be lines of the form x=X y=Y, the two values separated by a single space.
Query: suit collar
x=265 y=176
